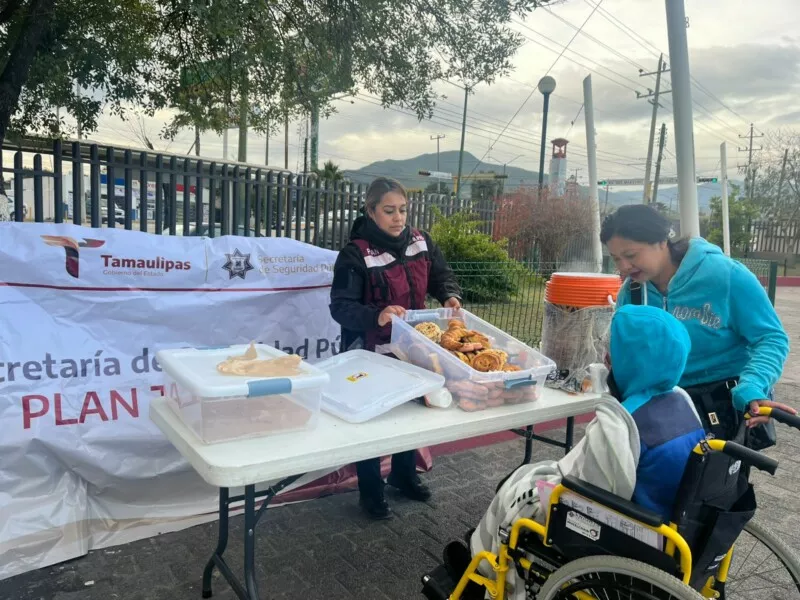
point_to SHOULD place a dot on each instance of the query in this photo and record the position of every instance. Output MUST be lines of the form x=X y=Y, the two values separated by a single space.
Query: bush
x=482 y=265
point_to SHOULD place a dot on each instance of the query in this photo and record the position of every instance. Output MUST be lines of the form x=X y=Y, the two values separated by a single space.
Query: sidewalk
x=326 y=550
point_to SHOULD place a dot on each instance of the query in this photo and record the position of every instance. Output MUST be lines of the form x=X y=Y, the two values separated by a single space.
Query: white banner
x=82 y=314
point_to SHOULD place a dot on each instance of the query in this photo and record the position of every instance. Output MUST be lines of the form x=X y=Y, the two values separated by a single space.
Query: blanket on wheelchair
x=607 y=457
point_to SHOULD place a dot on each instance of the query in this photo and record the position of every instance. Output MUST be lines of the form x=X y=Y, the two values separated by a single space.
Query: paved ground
x=325 y=550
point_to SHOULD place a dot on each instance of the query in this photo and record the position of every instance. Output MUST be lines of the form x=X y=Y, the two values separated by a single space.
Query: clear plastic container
x=364 y=385
x=221 y=408
x=472 y=390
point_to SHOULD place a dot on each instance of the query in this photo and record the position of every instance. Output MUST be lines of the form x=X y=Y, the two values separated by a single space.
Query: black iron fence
x=102 y=186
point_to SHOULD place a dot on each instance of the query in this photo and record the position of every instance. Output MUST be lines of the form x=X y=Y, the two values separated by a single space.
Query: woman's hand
x=454 y=303
x=386 y=314
x=754 y=421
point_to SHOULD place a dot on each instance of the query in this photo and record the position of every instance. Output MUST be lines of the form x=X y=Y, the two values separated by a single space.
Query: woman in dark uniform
x=386 y=269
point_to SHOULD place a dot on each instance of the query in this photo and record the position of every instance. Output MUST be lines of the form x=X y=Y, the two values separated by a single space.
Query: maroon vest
x=394 y=282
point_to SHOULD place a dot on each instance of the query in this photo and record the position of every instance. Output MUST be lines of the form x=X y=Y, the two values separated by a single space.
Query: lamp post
x=547 y=86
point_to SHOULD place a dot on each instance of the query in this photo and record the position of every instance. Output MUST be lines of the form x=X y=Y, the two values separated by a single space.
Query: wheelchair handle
x=781 y=416
x=751 y=457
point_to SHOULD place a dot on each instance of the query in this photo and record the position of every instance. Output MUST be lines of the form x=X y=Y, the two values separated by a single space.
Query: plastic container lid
x=364 y=385
x=196 y=370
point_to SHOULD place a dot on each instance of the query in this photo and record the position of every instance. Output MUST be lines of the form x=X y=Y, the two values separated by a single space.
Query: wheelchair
x=596 y=545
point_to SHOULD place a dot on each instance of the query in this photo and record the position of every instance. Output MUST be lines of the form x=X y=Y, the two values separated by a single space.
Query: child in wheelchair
x=615 y=492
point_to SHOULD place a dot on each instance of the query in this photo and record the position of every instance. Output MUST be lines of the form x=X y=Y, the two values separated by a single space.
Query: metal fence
x=167 y=194
x=774 y=237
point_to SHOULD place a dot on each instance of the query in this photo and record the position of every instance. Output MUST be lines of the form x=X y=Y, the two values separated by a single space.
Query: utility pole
x=683 y=120
x=305 y=151
x=314 y=136
x=461 y=151
x=662 y=68
x=437 y=137
x=726 y=223
x=266 y=147
x=591 y=155
x=661 y=139
x=749 y=149
x=286 y=142
x=779 y=202
x=197 y=140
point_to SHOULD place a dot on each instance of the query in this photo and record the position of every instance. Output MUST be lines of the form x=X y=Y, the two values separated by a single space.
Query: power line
x=656 y=51
x=547 y=73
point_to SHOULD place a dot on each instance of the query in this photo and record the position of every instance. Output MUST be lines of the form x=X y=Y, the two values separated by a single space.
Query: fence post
x=94 y=185
x=77 y=184
x=773 y=281
x=199 y=210
x=38 y=201
x=58 y=183
x=111 y=189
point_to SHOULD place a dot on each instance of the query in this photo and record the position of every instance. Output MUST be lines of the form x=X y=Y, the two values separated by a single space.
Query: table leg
x=248 y=591
x=222 y=542
x=570 y=434
x=250 y=521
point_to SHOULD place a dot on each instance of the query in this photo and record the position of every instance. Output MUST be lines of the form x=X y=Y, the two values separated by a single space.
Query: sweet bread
x=473 y=337
x=461 y=356
x=430 y=331
x=509 y=368
x=487 y=361
x=455 y=323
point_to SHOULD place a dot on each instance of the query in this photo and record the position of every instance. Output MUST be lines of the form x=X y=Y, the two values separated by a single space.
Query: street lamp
x=547 y=86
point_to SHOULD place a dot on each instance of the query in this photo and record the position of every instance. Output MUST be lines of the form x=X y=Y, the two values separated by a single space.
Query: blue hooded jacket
x=734 y=329
x=648 y=350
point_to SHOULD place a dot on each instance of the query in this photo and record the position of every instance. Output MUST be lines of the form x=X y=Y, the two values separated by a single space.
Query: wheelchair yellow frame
x=500 y=565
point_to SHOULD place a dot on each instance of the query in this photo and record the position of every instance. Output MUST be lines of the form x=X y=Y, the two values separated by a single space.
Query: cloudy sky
x=745 y=65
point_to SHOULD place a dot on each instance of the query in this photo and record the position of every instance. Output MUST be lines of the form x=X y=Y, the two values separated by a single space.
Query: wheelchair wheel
x=763 y=566
x=614 y=578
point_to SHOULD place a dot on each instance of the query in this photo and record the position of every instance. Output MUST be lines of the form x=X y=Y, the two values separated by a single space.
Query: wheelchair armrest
x=612 y=501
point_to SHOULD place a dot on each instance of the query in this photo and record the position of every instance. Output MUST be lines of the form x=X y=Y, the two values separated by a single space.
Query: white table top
x=334 y=442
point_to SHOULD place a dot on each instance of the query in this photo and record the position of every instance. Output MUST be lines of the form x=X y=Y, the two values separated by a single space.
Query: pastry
x=509 y=368
x=461 y=356
x=487 y=361
x=473 y=337
x=430 y=331
x=249 y=365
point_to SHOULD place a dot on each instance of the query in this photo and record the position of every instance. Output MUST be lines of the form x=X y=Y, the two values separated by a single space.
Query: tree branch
x=34 y=29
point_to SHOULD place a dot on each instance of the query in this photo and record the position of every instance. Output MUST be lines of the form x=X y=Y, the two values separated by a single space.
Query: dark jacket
x=355 y=300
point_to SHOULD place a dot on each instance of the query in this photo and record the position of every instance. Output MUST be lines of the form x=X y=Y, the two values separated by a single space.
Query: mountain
x=667 y=194
x=407 y=171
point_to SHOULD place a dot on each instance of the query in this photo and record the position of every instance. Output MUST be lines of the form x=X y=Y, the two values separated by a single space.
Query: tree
x=330 y=172
x=214 y=60
x=776 y=191
x=740 y=214
x=291 y=57
x=483 y=190
x=79 y=55
x=435 y=186
x=529 y=218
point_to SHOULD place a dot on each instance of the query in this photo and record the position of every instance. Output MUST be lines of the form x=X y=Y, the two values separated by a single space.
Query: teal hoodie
x=733 y=327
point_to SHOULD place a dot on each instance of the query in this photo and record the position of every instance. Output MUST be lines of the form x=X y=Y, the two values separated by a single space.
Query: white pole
x=588 y=111
x=682 y=111
x=726 y=224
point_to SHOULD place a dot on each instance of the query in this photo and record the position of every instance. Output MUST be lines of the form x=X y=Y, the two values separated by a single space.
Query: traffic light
x=706 y=180
x=601 y=183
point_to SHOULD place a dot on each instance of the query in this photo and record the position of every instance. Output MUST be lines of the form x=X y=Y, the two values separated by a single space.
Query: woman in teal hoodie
x=738 y=343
